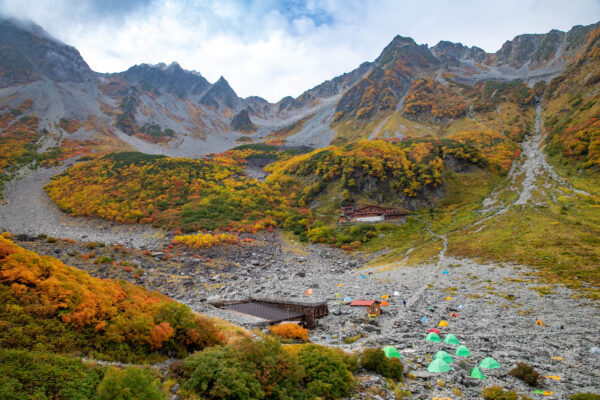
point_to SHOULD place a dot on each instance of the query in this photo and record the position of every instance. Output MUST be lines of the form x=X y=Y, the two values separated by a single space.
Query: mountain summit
x=28 y=54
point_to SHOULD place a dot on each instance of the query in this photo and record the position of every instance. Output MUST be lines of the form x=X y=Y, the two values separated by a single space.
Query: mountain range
x=166 y=109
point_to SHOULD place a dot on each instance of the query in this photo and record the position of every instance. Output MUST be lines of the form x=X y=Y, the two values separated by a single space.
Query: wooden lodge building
x=370 y=213
x=274 y=310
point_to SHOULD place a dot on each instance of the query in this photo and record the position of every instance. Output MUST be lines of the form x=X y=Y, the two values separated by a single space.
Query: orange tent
x=385 y=303
x=455 y=315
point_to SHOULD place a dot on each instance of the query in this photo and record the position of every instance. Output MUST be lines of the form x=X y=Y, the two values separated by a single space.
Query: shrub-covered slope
x=215 y=194
x=49 y=306
x=573 y=110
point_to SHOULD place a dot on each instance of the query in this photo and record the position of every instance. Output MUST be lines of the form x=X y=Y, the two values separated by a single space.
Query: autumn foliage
x=19 y=134
x=573 y=109
x=205 y=240
x=290 y=331
x=427 y=96
x=404 y=168
x=41 y=297
x=172 y=192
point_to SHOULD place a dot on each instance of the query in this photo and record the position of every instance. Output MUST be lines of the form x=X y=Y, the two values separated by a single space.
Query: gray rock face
x=241 y=122
x=172 y=79
x=221 y=94
x=455 y=53
x=28 y=53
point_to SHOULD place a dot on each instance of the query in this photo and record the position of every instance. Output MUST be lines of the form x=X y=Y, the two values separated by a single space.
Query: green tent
x=451 y=339
x=444 y=356
x=489 y=363
x=432 y=337
x=439 y=365
x=462 y=351
x=391 y=352
x=477 y=374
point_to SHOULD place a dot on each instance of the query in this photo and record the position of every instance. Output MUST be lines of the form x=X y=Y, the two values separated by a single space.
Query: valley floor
x=497 y=303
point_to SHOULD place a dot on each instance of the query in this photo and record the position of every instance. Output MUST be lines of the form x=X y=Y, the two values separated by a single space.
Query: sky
x=273 y=48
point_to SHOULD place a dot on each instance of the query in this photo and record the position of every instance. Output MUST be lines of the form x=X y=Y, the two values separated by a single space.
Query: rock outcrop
x=241 y=122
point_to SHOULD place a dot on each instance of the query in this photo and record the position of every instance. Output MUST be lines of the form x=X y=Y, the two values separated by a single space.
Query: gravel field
x=28 y=209
x=497 y=306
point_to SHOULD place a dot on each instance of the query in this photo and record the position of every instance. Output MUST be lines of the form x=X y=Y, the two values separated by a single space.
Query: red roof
x=363 y=303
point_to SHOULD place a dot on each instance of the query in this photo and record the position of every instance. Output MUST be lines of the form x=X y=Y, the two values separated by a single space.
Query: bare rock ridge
x=171 y=78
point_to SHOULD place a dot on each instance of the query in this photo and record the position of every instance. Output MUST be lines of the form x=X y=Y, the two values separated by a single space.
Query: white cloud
x=274 y=48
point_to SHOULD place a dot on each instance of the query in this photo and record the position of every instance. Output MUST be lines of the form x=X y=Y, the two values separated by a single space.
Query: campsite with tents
x=455 y=332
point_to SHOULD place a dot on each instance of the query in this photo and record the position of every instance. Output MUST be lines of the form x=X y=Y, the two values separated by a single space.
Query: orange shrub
x=290 y=331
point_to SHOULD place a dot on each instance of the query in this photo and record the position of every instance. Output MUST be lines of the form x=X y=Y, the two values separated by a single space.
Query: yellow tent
x=448 y=298
x=443 y=323
x=385 y=296
x=539 y=322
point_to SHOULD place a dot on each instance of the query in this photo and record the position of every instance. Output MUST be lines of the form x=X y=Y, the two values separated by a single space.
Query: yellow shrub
x=205 y=240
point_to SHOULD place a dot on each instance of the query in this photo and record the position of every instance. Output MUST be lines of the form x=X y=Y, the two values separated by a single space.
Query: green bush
x=585 y=396
x=277 y=371
x=131 y=383
x=256 y=368
x=327 y=373
x=26 y=375
x=216 y=373
x=526 y=373
x=376 y=361
x=104 y=260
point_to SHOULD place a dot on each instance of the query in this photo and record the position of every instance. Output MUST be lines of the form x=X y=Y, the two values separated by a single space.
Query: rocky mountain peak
x=454 y=53
x=28 y=53
x=408 y=51
x=172 y=78
x=220 y=93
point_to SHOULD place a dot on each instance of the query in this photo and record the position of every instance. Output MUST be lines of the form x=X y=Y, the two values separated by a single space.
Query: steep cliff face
x=28 y=54
x=529 y=58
